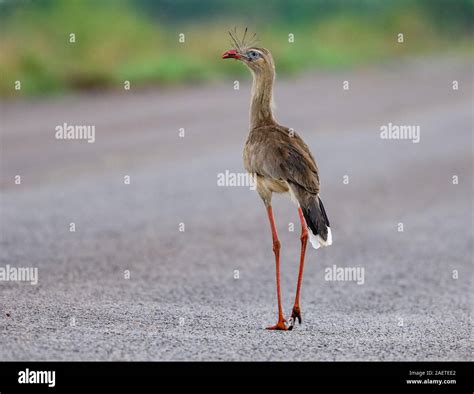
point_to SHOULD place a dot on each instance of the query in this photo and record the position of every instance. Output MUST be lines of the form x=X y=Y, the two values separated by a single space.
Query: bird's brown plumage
x=278 y=153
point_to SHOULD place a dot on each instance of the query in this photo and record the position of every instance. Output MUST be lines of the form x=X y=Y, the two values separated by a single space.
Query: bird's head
x=257 y=59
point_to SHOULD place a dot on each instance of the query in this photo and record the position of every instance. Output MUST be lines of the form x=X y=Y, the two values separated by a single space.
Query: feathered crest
x=242 y=44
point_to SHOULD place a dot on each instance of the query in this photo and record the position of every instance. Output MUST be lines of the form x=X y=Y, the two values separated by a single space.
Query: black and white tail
x=317 y=222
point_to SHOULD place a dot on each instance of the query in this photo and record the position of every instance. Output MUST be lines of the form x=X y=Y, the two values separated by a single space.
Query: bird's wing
x=289 y=158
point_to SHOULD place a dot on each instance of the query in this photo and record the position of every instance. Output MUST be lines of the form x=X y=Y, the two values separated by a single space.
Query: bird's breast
x=273 y=185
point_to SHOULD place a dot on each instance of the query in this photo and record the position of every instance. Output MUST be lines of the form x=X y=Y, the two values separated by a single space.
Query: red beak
x=232 y=54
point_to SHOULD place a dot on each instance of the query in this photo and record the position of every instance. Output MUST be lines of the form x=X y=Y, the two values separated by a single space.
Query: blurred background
x=137 y=40
x=200 y=282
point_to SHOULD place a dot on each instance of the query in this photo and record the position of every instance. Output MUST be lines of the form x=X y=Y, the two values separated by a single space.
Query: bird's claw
x=295 y=314
x=281 y=325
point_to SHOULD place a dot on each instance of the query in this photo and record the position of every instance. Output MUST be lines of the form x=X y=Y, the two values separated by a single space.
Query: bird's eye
x=253 y=54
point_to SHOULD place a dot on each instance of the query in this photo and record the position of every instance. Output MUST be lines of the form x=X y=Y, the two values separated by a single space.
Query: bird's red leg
x=276 y=249
x=296 y=313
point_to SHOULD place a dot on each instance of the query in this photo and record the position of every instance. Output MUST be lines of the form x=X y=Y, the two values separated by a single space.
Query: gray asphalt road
x=182 y=301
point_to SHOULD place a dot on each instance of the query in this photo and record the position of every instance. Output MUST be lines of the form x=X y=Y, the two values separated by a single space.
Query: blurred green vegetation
x=137 y=40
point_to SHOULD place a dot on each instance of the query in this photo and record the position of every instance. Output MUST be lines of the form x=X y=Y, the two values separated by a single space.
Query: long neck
x=261 y=113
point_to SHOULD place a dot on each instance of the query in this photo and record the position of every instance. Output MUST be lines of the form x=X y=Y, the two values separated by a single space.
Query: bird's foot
x=281 y=325
x=295 y=314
